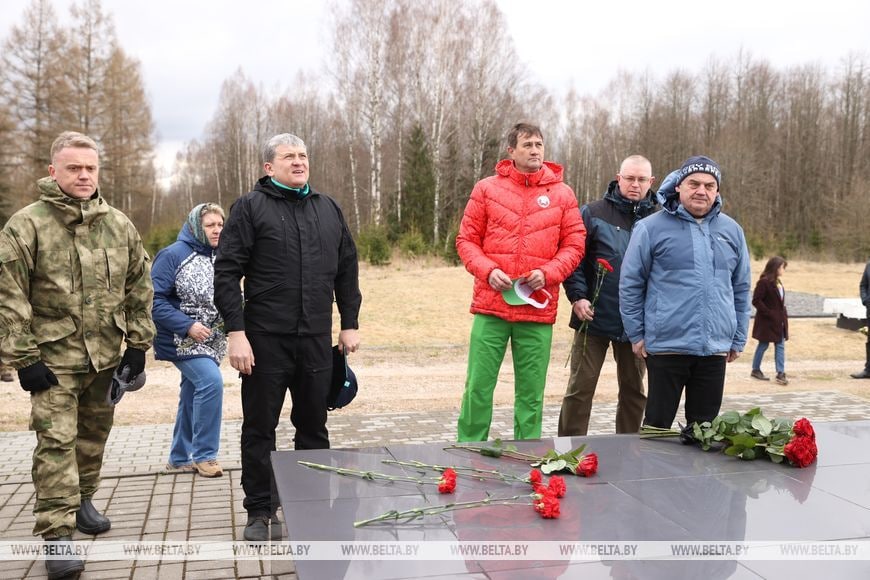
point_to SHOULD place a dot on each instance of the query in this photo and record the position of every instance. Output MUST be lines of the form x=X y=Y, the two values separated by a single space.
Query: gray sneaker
x=276 y=529
x=757 y=374
x=259 y=529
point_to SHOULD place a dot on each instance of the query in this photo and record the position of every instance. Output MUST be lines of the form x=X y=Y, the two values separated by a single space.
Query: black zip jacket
x=295 y=256
x=609 y=222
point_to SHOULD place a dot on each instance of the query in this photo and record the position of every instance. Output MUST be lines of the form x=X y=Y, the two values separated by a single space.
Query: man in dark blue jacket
x=293 y=248
x=865 y=298
x=609 y=222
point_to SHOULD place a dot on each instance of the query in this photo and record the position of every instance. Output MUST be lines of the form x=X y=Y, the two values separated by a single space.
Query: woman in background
x=190 y=334
x=771 y=319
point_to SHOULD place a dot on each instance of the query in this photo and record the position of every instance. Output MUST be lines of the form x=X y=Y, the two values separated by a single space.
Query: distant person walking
x=190 y=334
x=865 y=298
x=521 y=228
x=609 y=222
x=771 y=319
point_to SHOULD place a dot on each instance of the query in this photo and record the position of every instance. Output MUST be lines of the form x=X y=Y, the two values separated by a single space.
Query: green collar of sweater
x=298 y=192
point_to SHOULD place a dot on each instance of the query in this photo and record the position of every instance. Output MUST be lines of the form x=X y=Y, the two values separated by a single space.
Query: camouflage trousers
x=72 y=422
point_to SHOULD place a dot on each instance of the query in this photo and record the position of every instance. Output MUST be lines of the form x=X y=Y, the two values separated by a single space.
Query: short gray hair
x=72 y=139
x=281 y=139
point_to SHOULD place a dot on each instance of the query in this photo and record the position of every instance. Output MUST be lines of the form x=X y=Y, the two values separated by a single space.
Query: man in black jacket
x=293 y=248
x=865 y=298
x=609 y=222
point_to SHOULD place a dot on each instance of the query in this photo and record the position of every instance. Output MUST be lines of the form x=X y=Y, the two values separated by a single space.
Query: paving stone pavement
x=147 y=504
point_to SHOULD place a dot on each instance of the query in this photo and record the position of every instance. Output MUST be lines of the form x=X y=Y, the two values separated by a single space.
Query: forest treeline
x=411 y=107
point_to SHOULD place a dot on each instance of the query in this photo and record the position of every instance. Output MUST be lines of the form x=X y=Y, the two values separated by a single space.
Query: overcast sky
x=188 y=47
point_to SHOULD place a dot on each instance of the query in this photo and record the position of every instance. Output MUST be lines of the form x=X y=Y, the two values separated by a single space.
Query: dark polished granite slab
x=646 y=491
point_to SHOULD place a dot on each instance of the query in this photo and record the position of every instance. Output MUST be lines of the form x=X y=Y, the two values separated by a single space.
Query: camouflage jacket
x=74 y=284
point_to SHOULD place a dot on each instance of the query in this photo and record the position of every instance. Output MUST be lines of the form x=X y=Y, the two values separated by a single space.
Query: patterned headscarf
x=194 y=220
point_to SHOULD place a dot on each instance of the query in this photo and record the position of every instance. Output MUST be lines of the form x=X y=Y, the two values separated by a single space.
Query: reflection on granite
x=645 y=490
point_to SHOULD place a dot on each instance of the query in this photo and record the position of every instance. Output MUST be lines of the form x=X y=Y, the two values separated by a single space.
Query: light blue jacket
x=685 y=286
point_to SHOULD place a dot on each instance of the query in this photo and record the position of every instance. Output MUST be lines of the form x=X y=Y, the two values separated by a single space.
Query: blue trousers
x=197 y=434
x=778 y=355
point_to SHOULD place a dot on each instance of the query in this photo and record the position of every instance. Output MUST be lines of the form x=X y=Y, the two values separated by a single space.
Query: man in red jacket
x=521 y=233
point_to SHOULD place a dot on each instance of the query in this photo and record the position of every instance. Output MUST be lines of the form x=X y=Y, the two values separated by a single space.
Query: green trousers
x=72 y=422
x=530 y=346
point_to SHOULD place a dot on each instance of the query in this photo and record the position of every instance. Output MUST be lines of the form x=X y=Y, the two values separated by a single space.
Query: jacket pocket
x=118 y=260
x=110 y=267
x=51 y=329
x=53 y=274
x=120 y=321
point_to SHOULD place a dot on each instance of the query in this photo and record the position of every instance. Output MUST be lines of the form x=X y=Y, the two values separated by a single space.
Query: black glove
x=135 y=359
x=37 y=377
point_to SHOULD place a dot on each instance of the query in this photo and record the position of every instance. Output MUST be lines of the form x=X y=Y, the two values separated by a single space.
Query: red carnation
x=605 y=264
x=557 y=486
x=801 y=451
x=803 y=428
x=535 y=477
x=588 y=465
x=447 y=483
x=547 y=505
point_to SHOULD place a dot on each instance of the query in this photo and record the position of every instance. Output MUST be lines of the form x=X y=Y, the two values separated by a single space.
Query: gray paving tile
x=147 y=504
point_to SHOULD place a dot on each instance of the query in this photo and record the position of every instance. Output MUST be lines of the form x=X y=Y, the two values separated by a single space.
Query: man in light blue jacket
x=684 y=294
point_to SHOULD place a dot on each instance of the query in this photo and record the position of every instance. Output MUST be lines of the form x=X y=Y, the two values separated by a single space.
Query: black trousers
x=867 y=346
x=703 y=378
x=302 y=364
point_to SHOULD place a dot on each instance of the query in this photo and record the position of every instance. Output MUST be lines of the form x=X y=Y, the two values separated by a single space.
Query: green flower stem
x=650 y=432
x=600 y=273
x=501 y=452
x=370 y=475
x=480 y=473
x=412 y=514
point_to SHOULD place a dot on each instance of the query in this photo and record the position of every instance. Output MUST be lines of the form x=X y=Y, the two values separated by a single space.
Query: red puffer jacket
x=519 y=222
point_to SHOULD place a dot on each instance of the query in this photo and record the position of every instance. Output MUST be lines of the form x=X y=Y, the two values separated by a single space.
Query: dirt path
x=412 y=307
x=430 y=378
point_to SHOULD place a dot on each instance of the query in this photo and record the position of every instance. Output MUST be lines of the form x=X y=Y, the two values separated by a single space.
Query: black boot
x=865 y=374
x=68 y=568
x=89 y=520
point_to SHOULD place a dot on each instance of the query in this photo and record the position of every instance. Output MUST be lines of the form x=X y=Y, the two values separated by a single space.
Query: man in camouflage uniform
x=75 y=286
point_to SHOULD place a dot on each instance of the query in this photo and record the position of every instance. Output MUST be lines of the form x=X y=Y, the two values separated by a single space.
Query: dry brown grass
x=415 y=325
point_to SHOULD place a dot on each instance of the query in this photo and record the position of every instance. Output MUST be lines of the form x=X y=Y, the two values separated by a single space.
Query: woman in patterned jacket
x=190 y=334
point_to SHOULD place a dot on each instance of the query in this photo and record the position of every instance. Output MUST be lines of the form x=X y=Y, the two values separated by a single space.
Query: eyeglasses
x=638 y=180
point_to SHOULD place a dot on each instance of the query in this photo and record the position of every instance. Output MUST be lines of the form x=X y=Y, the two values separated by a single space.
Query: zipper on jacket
x=284 y=234
x=317 y=229
x=108 y=270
